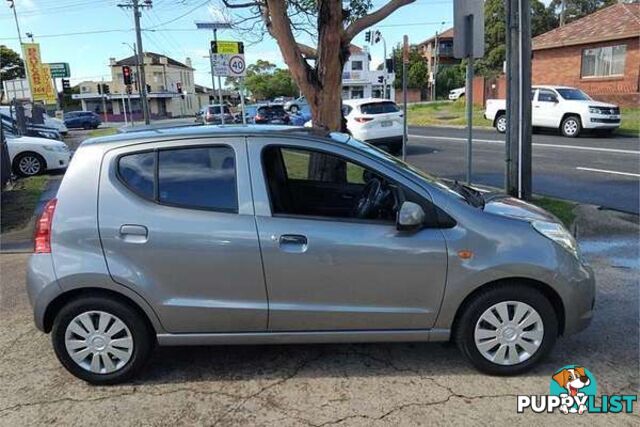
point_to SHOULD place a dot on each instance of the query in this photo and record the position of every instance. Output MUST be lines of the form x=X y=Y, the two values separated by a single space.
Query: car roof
x=198 y=131
x=551 y=87
x=360 y=101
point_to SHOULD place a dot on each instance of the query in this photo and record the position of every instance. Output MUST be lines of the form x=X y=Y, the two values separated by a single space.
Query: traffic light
x=126 y=74
x=367 y=37
x=100 y=88
x=66 y=85
x=377 y=37
x=105 y=89
x=179 y=87
x=390 y=65
x=148 y=88
x=128 y=89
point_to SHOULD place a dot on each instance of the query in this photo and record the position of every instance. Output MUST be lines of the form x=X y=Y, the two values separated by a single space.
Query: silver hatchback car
x=259 y=235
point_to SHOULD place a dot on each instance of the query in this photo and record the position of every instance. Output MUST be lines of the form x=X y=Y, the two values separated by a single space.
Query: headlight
x=56 y=148
x=559 y=234
x=594 y=110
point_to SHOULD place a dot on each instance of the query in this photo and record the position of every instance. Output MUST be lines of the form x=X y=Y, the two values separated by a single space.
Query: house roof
x=446 y=34
x=355 y=49
x=619 y=21
x=155 y=59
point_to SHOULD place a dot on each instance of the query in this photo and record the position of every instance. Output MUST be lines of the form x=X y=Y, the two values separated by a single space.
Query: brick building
x=599 y=54
x=438 y=52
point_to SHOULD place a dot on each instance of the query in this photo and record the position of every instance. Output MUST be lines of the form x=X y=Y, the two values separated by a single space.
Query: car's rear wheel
x=507 y=329
x=29 y=164
x=571 y=126
x=294 y=109
x=501 y=123
x=86 y=126
x=101 y=340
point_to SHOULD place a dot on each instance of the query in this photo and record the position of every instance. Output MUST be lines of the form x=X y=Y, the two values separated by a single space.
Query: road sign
x=227 y=47
x=229 y=65
x=59 y=70
x=463 y=42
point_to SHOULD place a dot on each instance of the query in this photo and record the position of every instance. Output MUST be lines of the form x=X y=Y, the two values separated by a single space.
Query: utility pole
x=434 y=68
x=136 y=6
x=518 y=140
x=12 y=5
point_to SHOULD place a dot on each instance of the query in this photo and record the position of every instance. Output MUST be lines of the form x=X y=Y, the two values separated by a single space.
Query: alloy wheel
x=509 y=332
x=501 y=124
x=99 y=342
x=570 y=127
x=29 y=165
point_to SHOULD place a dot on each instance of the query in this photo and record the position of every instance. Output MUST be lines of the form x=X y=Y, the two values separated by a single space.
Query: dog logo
x=576 y=383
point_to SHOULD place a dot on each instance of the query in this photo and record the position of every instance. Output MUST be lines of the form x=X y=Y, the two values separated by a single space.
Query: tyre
x=101 y=340
x=501 y=123
x=506 y=330
x=571 y=126
x=87 y=126
x=29 y=164
x=294 y=109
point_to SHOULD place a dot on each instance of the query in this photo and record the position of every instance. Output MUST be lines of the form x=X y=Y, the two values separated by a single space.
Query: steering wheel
x=369 y=198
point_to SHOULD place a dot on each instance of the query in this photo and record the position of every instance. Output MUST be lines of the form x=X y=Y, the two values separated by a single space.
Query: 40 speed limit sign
x=229 y=64
x=237 y=67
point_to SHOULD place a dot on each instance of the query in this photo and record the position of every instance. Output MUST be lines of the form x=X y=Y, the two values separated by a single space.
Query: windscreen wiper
x=473 y=196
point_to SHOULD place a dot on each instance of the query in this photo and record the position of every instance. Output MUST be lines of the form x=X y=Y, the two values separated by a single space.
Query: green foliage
x=11 y=66
x=417 y=70
x=576 y=9
x=449 y=77
x=265 y=81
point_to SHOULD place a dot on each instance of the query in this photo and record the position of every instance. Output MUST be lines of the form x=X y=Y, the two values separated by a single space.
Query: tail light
x=259 y=117
x=42 y=240
x=363 y=119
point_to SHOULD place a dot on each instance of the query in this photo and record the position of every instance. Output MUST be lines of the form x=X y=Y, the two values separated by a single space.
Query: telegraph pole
x=136 y=6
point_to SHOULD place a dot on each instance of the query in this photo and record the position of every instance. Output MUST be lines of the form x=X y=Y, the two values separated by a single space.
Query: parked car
x=226 y=235
x=210 y=115
x=298 y=104
x=250 y=112
x=39 y=131
x=56 y=124
x=560 y=107
x=82 y=119
x=455 y=94
x=33 y=156
x=376 y=121
x=272 y=114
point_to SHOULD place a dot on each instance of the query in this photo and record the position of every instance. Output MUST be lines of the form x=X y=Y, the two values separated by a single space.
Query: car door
x=176 y=223
x=546 y=111
x=340 y=273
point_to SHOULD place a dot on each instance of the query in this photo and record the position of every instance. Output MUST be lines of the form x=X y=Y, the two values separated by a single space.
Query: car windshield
x=275 y=109
x=379 y=108
x=469 y=195
x=573 y=95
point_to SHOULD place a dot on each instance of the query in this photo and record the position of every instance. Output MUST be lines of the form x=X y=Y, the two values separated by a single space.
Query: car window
x=379 y=108
x=545 y=95
x=201 y=178
x=137 y=170
x=346 y=110
x=318 y=184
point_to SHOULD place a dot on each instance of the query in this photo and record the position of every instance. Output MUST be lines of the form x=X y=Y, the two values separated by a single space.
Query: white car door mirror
x=411 y=216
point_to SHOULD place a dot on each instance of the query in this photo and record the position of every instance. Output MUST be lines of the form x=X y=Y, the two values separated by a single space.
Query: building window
x=603 y=61
x=357 y=93
x=356 y=65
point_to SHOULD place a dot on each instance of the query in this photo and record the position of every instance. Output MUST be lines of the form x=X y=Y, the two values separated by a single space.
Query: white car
x=57 y=124
x=32 y=156
x=455 y=94
x=376 y=121
x=560 y=107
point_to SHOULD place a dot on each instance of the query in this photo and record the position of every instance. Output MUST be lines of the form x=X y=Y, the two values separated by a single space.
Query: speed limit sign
x=237 y=67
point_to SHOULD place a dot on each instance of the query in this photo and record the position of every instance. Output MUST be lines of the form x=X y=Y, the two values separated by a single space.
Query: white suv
x=560 y=107
x=376 y=121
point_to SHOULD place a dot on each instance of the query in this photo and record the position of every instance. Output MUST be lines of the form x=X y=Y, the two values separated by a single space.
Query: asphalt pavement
x=589 y=169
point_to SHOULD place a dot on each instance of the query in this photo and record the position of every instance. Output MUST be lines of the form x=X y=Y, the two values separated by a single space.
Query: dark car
x=271 y=115
x=82 y=119
x=10 y=125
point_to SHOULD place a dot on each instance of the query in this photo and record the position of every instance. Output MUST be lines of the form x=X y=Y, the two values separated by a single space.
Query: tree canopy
x=266 y=81
x=11 y=66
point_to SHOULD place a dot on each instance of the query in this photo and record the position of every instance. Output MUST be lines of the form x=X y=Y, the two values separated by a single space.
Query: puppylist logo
x=573 y=391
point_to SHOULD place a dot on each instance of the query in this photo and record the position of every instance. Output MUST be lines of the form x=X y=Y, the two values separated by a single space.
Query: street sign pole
x=244 y=116
x=469 y=92
x=405 y=62
x=215 y=39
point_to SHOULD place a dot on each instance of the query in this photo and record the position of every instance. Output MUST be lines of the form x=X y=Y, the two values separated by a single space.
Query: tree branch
x=372 y=19
x=240 y=5
x=307 y=51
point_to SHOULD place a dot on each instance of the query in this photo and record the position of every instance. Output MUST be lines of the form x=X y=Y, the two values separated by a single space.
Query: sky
x=107 y=28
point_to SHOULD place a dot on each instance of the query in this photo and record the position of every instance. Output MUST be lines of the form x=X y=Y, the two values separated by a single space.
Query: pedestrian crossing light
x=126 y=74
x=105 y=89
x=367 y=37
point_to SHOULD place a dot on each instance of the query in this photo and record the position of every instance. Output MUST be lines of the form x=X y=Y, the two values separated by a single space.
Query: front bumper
x=579 y=302
x=57 y=159
x=600 y=121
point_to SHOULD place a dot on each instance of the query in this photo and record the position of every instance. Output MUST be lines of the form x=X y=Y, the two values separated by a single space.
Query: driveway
x=374 y=384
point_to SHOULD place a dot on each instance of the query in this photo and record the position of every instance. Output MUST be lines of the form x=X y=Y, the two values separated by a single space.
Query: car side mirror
x=410 y=217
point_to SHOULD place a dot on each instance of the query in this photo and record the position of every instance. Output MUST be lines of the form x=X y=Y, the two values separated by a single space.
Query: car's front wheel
x=294 y=109
x=571 y=126
x=501 y=123
x=101 y=340
x=506 y=330
x=29 y=164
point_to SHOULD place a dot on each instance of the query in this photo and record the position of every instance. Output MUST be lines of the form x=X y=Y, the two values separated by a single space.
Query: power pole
x=136 y=6
x=518 y=141
x=12 y=5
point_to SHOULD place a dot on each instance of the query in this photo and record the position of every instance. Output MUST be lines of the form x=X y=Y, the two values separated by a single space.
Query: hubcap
x=509 y=332
x=570 y=127
x=29 y=165
x=502 y=124
x=99 y=342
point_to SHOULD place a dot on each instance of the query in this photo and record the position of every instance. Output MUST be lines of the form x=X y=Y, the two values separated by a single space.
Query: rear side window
x=136 y=171
x=379 y=108
x=201 y=178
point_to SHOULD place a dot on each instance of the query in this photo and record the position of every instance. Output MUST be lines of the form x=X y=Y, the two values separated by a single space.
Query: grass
x=630 y=124
x=560 y=208
x=444 y=113
x=102 y=132
x=297 y=165
x=19 y=203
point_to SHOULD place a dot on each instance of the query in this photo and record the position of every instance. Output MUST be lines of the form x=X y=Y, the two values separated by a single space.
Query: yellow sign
x=226 y=47
x=39 y=74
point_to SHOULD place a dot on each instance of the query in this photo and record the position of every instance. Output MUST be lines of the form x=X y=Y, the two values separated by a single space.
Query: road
x=599 y=171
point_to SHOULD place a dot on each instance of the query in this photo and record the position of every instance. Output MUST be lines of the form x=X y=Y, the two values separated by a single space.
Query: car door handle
x=134 y=233
x=293 y=243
